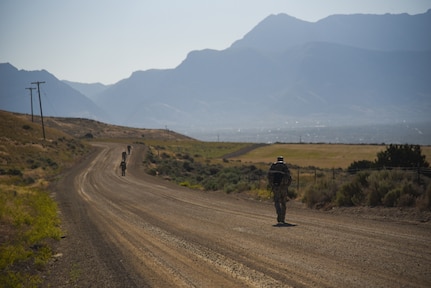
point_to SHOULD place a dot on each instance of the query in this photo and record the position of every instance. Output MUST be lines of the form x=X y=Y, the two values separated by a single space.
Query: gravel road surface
x=141 y=231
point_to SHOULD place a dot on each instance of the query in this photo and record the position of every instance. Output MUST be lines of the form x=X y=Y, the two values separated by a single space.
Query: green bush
x=320 y=194
x=210 y=184
x=406 y=200
x=14 y=172
x=183 y=169
x=392 y=197
x=350 y=194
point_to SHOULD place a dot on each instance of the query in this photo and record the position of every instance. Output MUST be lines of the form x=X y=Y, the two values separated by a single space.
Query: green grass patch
x=28 y=221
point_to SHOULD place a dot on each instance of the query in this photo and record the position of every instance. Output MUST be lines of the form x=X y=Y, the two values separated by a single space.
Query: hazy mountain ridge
x=373 y=32
x=288 y=70
x=341 y=70
x=58 y=98
x=91 y=90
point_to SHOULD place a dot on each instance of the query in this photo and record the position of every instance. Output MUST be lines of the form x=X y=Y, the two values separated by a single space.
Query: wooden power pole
x=40 y=104
x=31 y=101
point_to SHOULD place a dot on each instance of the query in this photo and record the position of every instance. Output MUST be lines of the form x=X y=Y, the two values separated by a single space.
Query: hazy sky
x=105 y=41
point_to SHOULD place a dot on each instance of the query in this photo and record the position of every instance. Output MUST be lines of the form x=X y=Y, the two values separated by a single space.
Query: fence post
x=419 y=173
x=297 y=185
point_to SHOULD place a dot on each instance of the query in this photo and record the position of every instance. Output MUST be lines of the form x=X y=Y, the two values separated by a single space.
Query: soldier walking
x=279 y=179
x=123 y=168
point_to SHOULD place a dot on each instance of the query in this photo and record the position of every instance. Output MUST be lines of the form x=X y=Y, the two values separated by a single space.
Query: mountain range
x=58 y=98
x=341 y=70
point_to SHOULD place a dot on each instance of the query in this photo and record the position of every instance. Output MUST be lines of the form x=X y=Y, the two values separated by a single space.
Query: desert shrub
x=165 y=155
x=362 y=178
x=184 y=170
x=51 y=163
x=392 y=188
x=149 y=157
x=410 y=188
x=185 y=157
x=14 y=172
x=188 y=166
x=373 y=198
x=227 y=179
x=242 y=186
x=151 y=171
x=350 y=194
x=71 y=146
x=28 y=180
x=229 y=188
x=378 y=187
x=319 y=194
x=424 y=201
x=392 y=197
x=35 y=165
x=210 y=184
x=406 y=200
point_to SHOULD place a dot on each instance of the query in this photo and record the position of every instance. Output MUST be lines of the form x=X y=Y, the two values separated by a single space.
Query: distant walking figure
x=128 y=148
x=124 y=155
x=279 y=179
x=123 y=168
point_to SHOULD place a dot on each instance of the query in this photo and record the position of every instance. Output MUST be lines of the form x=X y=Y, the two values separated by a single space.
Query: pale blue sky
x=105 y=41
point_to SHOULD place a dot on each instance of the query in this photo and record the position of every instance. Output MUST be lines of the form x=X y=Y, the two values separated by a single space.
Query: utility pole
x=40 y=104
x=31 y=100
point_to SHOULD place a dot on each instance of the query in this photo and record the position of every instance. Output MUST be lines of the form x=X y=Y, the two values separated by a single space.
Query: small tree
x=401 y=156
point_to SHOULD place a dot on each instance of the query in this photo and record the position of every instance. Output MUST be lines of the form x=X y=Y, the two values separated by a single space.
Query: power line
x=40 y=104
x=31 y=100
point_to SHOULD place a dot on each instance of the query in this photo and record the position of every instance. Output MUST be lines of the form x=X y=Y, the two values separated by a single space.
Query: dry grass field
x=318 y=155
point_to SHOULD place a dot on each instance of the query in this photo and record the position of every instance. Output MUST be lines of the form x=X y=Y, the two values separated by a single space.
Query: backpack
x=278 y=172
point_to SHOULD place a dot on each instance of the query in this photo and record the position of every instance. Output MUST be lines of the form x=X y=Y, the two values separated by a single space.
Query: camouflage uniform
x=123 y=168
x=279 y=179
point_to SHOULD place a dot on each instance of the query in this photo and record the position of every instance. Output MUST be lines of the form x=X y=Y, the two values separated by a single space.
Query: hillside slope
x=92 y=129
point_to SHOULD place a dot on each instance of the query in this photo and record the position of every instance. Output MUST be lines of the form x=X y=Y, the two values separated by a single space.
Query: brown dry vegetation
x=82 y=128
x=318 y=155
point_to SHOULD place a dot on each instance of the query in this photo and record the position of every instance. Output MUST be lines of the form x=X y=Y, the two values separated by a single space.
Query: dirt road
x=139 y=231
